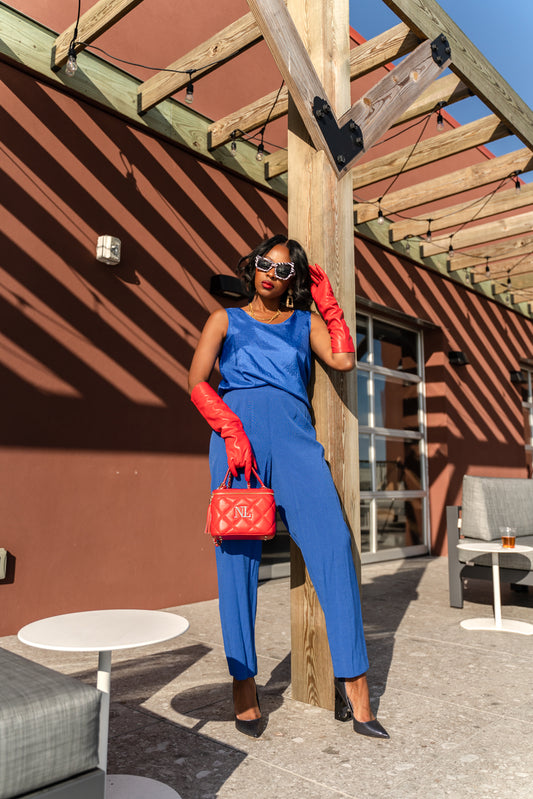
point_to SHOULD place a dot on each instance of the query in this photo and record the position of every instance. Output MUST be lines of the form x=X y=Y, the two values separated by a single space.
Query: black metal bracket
x=440 y=49
x=344 y=143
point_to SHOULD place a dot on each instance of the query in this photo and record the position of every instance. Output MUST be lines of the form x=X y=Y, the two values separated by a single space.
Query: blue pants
x=291 y=461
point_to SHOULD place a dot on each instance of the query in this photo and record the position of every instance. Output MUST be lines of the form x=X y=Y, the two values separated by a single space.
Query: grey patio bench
x=487 y=504
x=49 y=725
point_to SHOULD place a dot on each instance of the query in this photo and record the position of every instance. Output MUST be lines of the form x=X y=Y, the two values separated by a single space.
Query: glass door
x=392 y=441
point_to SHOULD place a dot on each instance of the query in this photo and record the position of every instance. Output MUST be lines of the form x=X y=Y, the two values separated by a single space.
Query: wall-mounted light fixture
x=227 y=286
x=518 y=376
x=108 y=250
x=457 y=358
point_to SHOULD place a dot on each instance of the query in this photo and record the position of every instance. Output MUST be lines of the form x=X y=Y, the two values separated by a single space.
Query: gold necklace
x=265 y=321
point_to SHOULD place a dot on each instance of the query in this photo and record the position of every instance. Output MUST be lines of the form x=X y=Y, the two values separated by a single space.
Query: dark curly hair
x=301 y=283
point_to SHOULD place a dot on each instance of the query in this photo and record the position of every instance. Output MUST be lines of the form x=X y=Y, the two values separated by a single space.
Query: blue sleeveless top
x=257 y=354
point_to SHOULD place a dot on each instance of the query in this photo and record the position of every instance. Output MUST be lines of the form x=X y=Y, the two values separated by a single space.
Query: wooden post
x=321 y=218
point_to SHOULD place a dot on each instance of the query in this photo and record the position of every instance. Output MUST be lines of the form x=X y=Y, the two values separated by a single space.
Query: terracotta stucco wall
x=103 y=460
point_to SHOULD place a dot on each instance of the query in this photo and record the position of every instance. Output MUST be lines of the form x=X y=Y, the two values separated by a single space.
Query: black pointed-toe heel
x=250 y=727
x=344 y=712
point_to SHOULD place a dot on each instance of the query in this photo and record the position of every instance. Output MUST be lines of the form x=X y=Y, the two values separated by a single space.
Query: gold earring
x=288 y=300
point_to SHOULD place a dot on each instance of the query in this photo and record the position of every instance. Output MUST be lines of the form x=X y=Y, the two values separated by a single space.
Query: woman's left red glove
x=339 y=332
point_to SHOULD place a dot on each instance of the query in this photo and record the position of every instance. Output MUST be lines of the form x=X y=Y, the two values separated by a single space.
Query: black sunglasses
x=282 y=271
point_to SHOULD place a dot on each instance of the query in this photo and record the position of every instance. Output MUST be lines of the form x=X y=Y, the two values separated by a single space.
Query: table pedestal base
x=123 y=786
x=504 y=625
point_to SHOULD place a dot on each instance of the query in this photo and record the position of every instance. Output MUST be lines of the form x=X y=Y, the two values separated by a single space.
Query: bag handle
x=226 y=482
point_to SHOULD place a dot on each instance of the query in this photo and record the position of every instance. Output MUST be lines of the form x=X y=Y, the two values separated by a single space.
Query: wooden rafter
x=436 y=148
x=379 y=51
x=496 y=252
x=517 y=283
x=456 y=215
x=446 y=90
x=481 y=234
x=220 y=48
x=382 y=49
x=471 y=177
x=498 y=270
x=92 y=24
x=427 y=18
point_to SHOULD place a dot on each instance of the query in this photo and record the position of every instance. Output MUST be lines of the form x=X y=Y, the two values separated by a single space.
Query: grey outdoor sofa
x=487 y=504
x=49 y=725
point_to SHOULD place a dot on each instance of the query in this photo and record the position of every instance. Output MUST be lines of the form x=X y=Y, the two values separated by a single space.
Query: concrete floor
x=458 y=704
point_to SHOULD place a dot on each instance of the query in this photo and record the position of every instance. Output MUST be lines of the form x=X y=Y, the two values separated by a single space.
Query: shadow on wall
x=97 y=357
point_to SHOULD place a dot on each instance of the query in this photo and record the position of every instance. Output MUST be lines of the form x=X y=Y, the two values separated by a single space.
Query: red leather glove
x=339 y=332
x=224 y=421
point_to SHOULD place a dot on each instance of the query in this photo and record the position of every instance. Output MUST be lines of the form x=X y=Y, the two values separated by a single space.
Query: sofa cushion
x=491 y=502
x=48 y=725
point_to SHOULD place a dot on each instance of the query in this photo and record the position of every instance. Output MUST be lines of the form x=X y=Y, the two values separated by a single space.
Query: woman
x=260 y=417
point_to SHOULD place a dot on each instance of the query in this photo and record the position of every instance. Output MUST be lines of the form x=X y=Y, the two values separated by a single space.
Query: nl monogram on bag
x=243 y=512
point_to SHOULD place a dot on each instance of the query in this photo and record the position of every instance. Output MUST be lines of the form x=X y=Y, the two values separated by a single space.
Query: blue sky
x=501 y=29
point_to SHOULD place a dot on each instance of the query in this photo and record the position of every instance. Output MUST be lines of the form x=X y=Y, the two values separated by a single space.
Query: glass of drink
x=508 y=535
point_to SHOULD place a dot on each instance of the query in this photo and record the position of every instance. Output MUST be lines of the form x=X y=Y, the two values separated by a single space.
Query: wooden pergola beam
x=426 y=18
x=481 y=234
x=496 y=252
x=446 y=91
x=92 y=24
x=465 y=137
x=376 y=52
x=471 y=177
x=218 y=49
x=373 y=114
x=449 y=89
x=455 y=215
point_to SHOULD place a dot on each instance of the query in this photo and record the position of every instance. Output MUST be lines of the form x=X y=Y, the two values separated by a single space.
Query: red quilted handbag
x=244 y=513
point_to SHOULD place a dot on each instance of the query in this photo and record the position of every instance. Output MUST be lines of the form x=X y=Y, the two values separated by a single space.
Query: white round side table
x=103 y=631
x=496 y=623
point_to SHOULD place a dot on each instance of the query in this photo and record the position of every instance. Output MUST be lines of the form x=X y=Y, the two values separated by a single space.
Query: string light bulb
x=189 y=94
x=508 y=279
x=233 y=145
x=381 y=218
x=260 y=152
x=517 y=185
x=450 y=248
x=487 y=267
x=428 y=234
x=440 y=121
x=72 y=64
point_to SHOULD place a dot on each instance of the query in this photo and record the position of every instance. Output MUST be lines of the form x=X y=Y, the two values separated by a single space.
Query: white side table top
x=491 y=546
x=103 y=630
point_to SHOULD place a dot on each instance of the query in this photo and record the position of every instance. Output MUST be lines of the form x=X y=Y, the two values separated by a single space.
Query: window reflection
x=395 y=348
x=396 y=403
x=399 y=523
x=398 y=465
x=365 y=526
x=365 y=472
x=363 y=399
x=362 y=339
